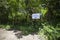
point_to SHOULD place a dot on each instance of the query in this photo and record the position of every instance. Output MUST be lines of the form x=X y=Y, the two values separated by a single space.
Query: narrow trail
x=10 y=35
x=31 y=37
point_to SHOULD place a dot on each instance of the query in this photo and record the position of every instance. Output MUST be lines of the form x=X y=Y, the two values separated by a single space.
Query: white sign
x=36 y=16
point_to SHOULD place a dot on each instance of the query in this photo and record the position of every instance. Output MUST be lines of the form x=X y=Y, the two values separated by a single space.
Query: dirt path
x=31 y=37
x=10 y=35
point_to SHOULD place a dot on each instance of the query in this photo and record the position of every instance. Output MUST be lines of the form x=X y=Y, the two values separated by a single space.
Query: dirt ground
x=11 y=35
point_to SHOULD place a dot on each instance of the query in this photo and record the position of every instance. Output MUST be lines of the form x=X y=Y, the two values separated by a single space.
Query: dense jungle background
x=16 y=15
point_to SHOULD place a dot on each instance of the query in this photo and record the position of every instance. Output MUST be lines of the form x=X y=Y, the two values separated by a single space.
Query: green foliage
x=16 y=14
x=49 y=31
x=5 y=26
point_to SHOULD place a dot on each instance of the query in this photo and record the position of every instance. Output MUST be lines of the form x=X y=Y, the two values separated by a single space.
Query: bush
x=48 y=31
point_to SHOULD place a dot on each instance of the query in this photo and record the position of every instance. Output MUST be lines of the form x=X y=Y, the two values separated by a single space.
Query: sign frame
x=36 y=15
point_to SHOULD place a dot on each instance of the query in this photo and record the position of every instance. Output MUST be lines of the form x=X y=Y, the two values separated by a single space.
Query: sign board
x=36 y=16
